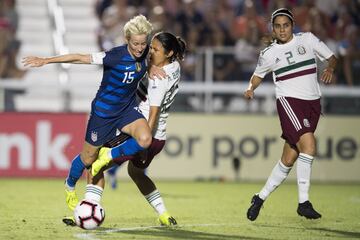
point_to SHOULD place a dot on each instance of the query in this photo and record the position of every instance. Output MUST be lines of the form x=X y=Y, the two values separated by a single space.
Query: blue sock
x=75 y=172
x=127 y=148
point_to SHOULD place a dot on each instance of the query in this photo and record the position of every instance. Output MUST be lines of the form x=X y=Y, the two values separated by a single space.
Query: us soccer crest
x=94 y=136
x=301 y=50
x=138 y=66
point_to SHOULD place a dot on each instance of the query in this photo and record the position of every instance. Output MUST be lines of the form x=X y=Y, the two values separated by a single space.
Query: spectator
x=113 y=20
x=246 y=52
x=9 y=48
x=4 y=41
x=189 y=17
x=188 y=65
x=349 y=49
x=10 y=45
x=11 y=15
x=235 y=23
x=101 y=6
x=302 y=13
x=250 y=17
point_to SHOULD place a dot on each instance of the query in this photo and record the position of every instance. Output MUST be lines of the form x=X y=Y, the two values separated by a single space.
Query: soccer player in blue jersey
x=114 y=106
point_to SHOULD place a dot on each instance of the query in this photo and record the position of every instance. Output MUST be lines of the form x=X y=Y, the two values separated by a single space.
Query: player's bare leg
x=151 y=194
x=139 y=130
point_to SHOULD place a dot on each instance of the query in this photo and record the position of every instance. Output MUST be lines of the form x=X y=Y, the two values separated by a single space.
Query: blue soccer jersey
x=121 y=76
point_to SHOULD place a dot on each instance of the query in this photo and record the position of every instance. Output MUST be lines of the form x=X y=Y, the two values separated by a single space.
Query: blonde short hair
x=137 y=25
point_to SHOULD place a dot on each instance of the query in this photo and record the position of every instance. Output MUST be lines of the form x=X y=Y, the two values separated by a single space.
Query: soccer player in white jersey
x=156 y=97
x=291 y=59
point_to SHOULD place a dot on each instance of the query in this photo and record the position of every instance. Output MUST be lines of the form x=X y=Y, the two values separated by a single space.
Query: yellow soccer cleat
x=166 y=219
x=71 y=199
x=102 y=161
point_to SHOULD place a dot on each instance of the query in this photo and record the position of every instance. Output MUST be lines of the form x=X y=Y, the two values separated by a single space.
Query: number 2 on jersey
x=289 y=57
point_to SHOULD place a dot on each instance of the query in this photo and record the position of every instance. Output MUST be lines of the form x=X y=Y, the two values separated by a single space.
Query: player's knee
x=307 y=144
x=88 y=159
x=309 y=150
x=288 y=162
x=145 y=140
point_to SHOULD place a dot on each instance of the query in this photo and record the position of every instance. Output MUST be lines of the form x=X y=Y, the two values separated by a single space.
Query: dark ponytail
x=172 y=43
x=182 y=48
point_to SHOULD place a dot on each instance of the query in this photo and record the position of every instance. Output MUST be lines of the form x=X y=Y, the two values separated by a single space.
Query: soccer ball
x=89 y=214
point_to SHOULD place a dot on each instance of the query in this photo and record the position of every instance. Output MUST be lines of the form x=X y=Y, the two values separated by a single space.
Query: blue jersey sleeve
x=112 y=56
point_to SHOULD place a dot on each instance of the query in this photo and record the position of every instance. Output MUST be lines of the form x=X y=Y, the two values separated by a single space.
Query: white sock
x=303 y=171
x=93 y=192
x=68 y=187
x=110 y=154
x=277 y=176
x=155 y=200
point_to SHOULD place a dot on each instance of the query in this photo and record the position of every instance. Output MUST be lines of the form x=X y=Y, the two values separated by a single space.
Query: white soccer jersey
x=293 y=65
x=160 y=93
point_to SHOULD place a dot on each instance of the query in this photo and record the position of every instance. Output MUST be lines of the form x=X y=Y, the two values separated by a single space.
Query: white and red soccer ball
x=89 y=214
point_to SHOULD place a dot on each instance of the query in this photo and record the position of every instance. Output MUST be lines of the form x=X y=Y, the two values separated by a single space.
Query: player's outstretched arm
x=33 y=61
x=253 y=84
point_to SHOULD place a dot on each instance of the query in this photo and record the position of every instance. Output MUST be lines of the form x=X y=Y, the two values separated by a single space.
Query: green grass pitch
x=33 y=209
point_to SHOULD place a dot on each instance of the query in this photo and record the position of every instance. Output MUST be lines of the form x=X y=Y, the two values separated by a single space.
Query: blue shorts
x=101 y=130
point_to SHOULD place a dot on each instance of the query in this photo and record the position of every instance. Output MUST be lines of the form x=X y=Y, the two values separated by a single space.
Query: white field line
x=92 y=235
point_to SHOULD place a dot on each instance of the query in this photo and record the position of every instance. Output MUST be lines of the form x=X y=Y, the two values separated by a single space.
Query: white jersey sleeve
x=97 y=58
x=156 y=91
x=263 y=66
x=320 y=48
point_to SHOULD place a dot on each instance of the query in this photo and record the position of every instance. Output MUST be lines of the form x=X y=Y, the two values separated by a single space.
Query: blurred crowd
x=240 y=24
x=9 y=45
x=9 y=48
